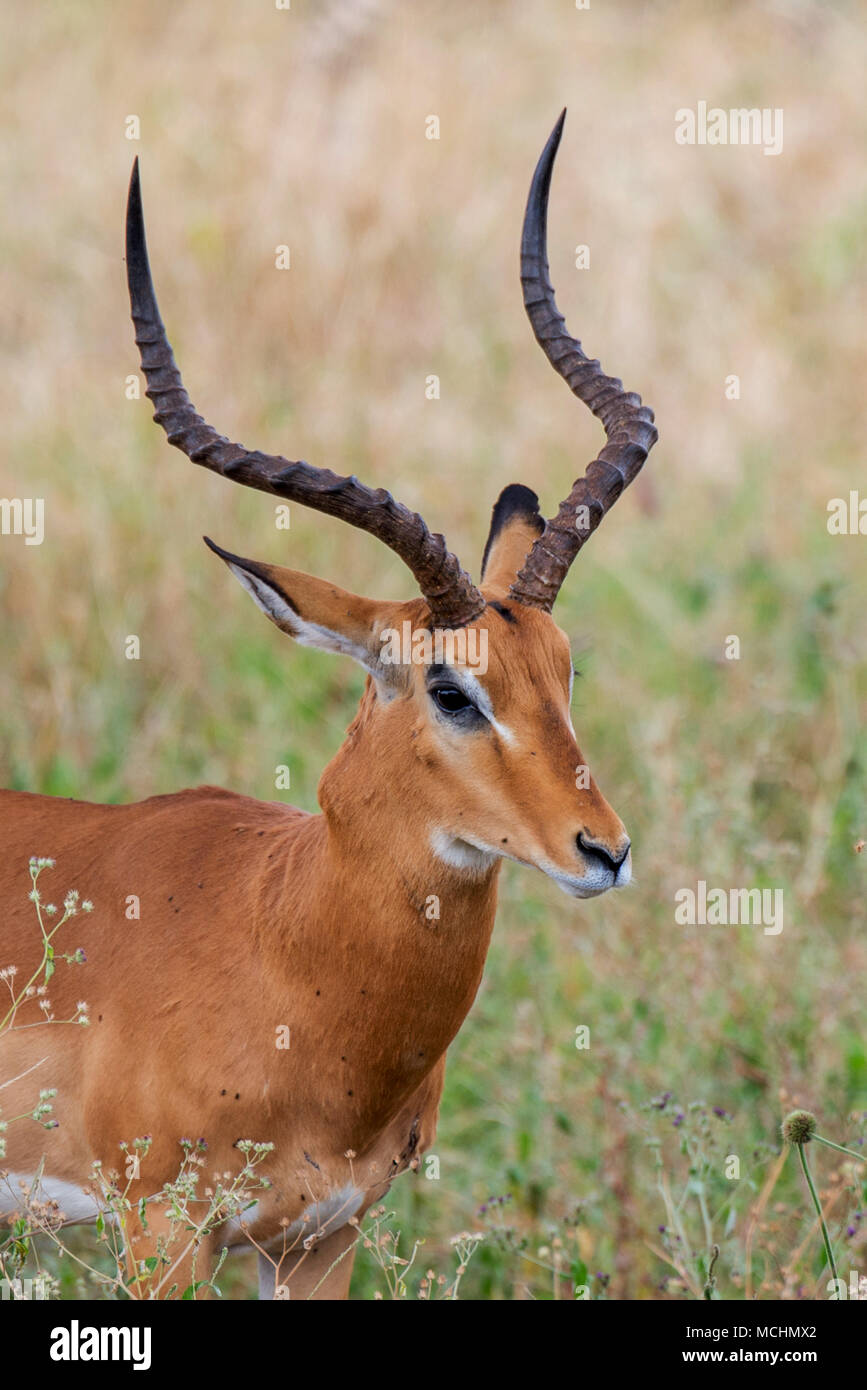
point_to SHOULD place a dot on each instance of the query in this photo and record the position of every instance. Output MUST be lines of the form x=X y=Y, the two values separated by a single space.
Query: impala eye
x=450 y=699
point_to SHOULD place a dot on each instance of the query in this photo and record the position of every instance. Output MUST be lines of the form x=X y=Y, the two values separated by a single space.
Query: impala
x=256 y=916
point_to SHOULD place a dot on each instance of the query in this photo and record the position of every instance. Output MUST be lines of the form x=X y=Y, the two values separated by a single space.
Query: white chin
x=582 y=887
x=597 y=881
x=624 y=873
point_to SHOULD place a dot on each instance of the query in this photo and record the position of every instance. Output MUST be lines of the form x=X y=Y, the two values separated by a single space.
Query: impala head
x=467 y=706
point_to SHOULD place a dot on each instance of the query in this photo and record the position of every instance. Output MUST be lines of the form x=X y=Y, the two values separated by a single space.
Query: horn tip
x=557 y=132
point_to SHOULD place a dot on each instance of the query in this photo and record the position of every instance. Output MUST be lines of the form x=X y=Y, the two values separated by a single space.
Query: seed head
x=799 y=1127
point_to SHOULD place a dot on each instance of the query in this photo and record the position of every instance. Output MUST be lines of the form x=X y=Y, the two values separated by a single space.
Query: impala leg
x=321 y=1273
x=160 y=1239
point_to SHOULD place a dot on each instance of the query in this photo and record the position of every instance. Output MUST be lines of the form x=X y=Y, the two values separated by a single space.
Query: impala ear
x=515 y=525
x=318 y=614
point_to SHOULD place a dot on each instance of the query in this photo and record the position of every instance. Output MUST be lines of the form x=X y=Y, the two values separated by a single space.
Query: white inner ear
x=274 y=605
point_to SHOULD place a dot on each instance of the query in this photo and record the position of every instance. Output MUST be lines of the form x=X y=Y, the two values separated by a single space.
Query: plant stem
x=840 y=1148
x=818 y=1205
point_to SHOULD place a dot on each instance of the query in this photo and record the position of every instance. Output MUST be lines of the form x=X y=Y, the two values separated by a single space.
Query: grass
x=751 y=772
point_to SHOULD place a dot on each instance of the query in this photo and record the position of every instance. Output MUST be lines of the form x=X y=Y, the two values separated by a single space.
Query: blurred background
x=307 y=127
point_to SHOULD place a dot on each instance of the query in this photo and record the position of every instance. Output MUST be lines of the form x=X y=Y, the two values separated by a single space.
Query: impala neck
x=381 y=846
x=407 y=934
x=373 y=797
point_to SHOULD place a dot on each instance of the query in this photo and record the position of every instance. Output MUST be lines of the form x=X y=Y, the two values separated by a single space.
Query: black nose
x=590 y=848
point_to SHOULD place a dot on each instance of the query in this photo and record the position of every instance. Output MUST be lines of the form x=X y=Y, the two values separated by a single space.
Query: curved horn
x=451 y=595
x=629 y=425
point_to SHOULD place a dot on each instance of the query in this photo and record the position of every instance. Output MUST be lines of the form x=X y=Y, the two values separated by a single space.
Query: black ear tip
x=515 y=500
x=231 y=558
x=218 y=550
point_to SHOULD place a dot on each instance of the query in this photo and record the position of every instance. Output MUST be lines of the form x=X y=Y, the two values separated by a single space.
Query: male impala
x=255 y=915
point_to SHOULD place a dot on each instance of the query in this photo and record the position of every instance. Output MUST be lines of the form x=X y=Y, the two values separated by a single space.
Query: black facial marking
x=503 y=611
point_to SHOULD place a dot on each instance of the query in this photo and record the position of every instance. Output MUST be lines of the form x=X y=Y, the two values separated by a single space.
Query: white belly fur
x=79 y=1207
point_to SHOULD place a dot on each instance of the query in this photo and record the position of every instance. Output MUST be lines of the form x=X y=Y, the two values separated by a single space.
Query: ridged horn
x=628 y=424
x=451 y=595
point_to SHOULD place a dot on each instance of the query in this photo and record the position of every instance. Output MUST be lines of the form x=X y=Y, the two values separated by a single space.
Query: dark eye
x=451 y=700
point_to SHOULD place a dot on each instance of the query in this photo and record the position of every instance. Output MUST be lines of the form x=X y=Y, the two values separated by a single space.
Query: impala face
x=484 y=753
x=513 y=782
